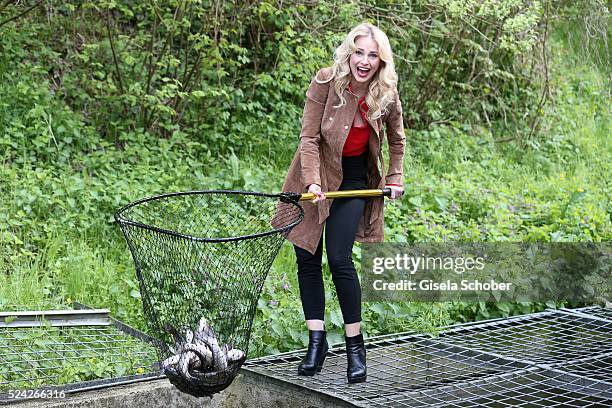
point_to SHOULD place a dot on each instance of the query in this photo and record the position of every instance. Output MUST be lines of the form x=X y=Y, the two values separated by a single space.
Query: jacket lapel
x=375 y=127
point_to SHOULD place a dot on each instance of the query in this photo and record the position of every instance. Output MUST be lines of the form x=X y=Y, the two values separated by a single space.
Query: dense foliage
x=105 y=102
x=167 y=65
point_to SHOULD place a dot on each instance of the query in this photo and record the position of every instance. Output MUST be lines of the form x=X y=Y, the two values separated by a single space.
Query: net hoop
x=289 y=198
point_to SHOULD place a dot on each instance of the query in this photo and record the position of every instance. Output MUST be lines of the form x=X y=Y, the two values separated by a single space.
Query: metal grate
x=70 y=350
x=527 y=388
x=548 y=359
x=593 y=311
x=599 y=368
x=547 y=337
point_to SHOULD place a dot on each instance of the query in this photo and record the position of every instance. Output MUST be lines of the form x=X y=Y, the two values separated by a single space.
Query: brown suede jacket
x=319 y=159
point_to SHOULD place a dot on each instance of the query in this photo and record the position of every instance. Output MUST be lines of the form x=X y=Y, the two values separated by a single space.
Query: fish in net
x=201 y=260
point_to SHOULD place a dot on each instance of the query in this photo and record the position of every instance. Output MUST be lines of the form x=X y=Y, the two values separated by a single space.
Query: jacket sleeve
x=310 y=135
x=397 y=143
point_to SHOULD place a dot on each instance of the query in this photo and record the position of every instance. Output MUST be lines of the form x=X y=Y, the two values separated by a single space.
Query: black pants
x=340 y=230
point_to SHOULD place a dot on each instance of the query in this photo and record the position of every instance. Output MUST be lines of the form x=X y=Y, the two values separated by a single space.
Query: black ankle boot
x=356 y=359
x=315 y=356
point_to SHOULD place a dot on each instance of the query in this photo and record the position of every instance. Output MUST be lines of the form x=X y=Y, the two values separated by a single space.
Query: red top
x=357 y=140
x=358 y=137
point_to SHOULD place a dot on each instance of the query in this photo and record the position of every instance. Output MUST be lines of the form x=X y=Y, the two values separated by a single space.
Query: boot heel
x=321 y=363
x=320 y=366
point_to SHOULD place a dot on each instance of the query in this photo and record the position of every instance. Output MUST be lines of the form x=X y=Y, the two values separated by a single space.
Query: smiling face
x=365 y=60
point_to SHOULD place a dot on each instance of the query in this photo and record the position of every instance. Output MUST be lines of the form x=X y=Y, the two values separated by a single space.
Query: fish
x=181 y=359
x=207 y=336
x=198 y=359
x=235 y=355
x=203 y=353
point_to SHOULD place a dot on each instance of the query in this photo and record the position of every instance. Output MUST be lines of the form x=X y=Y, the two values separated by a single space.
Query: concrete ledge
x=249 y=389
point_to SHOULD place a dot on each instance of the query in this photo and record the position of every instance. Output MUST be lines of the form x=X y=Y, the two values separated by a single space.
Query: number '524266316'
x=18 y=394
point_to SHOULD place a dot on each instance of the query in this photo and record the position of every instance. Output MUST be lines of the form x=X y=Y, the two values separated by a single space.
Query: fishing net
x=201 y=260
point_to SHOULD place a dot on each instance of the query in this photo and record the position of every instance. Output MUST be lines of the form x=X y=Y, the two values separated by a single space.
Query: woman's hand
x=316 y=190
x=396 y=191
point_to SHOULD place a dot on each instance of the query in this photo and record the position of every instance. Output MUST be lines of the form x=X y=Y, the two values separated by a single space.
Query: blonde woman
x=349 y=108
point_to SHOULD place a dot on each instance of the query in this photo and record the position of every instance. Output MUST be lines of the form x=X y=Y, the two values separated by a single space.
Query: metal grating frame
x=43 y=350
x=594 y=311
x=555 y=358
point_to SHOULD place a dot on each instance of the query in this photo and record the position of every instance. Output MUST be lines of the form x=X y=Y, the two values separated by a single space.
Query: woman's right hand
x=316 y=190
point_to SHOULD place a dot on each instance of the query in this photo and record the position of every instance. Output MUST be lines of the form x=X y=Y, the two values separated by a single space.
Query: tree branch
x=20 y=14
x=545 y=90
x=112 y=46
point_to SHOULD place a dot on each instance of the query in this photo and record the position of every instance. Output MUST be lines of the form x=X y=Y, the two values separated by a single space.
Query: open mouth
x=363 y=72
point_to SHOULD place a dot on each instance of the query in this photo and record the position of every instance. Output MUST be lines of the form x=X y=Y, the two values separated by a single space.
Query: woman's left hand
x=396 y=192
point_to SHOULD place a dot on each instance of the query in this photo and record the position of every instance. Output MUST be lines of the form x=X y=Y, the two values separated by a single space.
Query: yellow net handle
x=349 y=193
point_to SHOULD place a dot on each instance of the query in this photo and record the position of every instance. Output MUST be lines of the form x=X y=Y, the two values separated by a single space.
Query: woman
x=340 y=148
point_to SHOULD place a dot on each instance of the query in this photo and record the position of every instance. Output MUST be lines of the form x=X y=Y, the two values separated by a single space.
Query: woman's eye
x=358 y=53
x=373 y=56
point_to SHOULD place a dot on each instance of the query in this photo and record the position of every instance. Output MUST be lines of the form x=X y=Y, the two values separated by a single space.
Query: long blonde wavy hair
x=383 y=84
